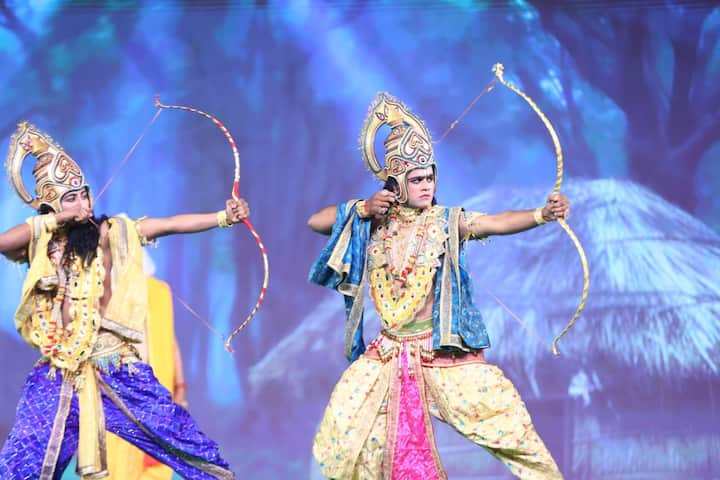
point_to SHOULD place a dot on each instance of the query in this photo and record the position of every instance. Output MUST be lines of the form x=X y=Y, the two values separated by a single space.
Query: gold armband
x=470 y=217
x=222 y=219
x=144 y=241
x=361 y=209
x=50 y=222
x=538 y=216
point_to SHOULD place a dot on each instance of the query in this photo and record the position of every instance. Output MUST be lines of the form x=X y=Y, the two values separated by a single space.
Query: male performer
x=83 y=306
x=428 y=359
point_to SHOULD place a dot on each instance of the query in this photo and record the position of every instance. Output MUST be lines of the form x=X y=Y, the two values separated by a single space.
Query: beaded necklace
x=67 y=346
x=405 y=216
x=399 y=291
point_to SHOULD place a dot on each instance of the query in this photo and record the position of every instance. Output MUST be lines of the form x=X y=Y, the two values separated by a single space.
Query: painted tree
x=659 y=64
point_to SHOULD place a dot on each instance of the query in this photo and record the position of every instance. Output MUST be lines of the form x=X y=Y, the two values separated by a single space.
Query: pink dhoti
x=377 y=424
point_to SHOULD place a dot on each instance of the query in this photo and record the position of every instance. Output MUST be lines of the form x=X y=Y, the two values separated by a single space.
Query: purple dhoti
x=136 y=407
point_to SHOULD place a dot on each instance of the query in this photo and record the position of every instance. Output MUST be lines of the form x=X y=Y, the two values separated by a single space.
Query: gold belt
x=388 y=345
x=107 y=343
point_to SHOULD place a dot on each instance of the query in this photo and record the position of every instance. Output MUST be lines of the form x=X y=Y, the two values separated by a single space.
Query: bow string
x=235 y=196
x=498 y=69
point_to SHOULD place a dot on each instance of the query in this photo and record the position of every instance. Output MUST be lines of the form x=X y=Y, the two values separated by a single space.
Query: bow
x=235 y=196
x=498 y=69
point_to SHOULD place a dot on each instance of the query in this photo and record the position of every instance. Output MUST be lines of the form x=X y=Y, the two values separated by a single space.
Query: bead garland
x=400 y=215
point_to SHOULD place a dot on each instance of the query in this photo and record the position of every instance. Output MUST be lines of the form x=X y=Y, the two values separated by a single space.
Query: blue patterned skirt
x=137 y=408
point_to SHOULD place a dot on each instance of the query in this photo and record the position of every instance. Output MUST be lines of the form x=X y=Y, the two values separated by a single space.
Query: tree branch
x=13 y=23
x=685 y=42
x=559 y=24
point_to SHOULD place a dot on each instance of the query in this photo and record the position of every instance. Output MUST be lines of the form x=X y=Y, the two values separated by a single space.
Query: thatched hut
x=635 y=389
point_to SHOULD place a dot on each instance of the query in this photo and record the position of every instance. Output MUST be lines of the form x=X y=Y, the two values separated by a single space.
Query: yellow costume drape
x=69 y=348
x=125 y=461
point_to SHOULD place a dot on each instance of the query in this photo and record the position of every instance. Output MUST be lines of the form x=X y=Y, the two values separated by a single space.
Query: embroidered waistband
x=388 y=345
x=407 y=337
x=110 y=350
x=107 y=343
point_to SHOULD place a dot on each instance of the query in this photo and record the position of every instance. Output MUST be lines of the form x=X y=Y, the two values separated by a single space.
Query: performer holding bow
x=428 y=359
x=83 y=306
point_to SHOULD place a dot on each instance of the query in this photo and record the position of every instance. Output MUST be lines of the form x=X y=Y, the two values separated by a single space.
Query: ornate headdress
x=55 y=172
x=407 y=147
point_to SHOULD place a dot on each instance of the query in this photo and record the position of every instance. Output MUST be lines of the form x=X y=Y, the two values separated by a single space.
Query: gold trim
x=396 y=336
x=130 y=334
x=361 y=209
x=202 y=465
x=91 y=453
x=356 y=312
x=335 y=261
x=57 y=434
x=106 y=344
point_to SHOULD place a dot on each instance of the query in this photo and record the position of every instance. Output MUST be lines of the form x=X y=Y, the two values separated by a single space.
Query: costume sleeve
x=341 y=266
x=341 y=262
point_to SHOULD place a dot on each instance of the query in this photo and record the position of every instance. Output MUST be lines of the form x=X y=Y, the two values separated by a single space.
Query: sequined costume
x=377 y=424
x=90 y=377
x=125 y=461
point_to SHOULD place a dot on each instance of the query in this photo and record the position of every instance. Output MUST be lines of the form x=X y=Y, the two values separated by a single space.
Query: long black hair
x=82 y=238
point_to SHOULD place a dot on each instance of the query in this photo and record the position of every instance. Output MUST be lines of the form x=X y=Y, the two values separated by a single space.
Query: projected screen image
x=630 y=89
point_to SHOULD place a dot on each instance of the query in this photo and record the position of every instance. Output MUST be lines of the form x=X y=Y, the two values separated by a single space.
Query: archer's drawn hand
x=76 y=213
x=379 y=204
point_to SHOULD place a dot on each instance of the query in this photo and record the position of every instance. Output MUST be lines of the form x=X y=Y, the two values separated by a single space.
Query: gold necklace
x=407 y=216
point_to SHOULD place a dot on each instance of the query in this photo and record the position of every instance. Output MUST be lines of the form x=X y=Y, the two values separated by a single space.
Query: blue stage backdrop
x=632 y=88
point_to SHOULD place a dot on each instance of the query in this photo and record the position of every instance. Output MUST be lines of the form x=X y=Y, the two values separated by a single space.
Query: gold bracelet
x=538 y=216
x=222 y=219
x=50 y=222
x=361 y=209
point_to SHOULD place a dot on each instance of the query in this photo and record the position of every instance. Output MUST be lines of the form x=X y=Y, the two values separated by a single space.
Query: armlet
x=469 y=219
x=143 y=239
